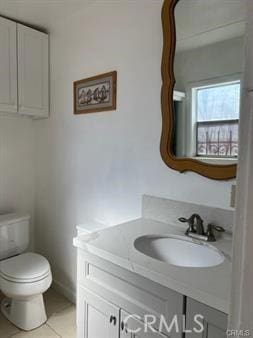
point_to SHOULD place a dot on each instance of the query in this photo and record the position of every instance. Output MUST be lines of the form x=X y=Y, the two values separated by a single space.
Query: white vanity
x=117 y=278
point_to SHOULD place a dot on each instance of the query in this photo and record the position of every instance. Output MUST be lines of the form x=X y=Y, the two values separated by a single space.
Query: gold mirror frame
x=217 y=172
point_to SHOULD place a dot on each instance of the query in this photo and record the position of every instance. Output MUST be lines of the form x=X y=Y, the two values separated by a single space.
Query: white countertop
x=209 y=285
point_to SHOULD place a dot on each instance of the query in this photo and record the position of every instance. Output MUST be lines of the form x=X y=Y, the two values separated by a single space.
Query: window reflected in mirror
x=217 y=109
x=208 y=69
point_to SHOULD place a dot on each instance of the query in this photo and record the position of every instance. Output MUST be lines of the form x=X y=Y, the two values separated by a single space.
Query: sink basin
x=179 y=251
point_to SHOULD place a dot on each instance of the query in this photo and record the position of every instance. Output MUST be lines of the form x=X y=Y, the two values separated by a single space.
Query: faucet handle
x=190 y=223
x=218 y=228
x=184 y=220
x=209 y=233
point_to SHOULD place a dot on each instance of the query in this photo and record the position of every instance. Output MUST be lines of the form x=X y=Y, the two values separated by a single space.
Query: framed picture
x=95 y=94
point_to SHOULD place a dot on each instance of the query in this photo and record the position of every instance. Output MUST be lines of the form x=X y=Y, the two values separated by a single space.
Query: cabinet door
x=101 y=318
x=214 y=322
x=8 y=66
x=134 y=328
x=33 y=71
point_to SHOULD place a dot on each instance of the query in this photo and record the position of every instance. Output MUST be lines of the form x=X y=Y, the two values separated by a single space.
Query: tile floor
x=61 y=320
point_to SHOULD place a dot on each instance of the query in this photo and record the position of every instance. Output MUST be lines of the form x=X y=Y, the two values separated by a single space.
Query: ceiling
x=203 y=22
x=198 y=22
x=40 y=13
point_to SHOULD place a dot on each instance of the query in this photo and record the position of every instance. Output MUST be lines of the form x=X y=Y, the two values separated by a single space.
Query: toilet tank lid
x=13 y=218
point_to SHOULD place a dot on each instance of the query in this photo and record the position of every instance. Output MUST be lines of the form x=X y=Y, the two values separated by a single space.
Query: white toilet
x=24 y=277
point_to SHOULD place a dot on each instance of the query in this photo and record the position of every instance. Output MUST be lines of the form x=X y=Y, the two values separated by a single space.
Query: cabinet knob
x=122 y=325
x=113 y=320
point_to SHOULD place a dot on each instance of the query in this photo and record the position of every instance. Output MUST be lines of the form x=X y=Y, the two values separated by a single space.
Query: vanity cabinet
x=101 y=318
x=24 y=70
x=107 y=293
x=113 y=302
x=215 y=322
x=105 y=320
x=133 y=328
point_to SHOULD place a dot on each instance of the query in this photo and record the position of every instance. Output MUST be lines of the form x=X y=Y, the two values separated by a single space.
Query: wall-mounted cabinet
x=24 y=70
x=8 y=66
x=32 y=72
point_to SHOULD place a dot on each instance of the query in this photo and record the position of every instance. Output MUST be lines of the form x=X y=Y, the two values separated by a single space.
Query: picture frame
x=95 y=94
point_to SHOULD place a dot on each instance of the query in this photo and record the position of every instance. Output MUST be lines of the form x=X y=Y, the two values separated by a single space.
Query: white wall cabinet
x=24 y=70
x=113 y=303
x=215 y=322
x=8 y=66
x=32 y=72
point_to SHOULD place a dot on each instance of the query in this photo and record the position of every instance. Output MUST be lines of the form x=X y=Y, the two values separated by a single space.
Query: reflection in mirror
x=208 y=69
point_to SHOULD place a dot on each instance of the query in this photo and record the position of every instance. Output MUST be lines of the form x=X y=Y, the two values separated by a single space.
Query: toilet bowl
x=23 y=280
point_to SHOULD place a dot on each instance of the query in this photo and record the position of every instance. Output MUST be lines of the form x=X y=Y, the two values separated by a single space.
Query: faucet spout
x=198 y=225
x=195 y=223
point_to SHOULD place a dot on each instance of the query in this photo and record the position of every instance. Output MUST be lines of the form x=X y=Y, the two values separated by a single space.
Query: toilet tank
x=14 y=234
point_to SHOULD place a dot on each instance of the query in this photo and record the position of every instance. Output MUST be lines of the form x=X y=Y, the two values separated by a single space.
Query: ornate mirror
x=202 y=70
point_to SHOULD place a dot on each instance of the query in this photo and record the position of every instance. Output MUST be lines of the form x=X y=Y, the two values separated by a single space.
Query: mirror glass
x=208 y=70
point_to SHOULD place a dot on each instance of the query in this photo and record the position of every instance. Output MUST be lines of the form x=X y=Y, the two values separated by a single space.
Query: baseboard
x=64 y=290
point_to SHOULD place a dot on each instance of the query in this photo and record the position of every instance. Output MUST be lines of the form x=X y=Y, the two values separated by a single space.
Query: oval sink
x=179 y=251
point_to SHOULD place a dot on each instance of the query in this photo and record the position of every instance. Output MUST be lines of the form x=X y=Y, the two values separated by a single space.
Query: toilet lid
x=25 y=267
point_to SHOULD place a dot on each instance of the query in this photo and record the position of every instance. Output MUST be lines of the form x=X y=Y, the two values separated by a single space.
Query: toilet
x=24 y=276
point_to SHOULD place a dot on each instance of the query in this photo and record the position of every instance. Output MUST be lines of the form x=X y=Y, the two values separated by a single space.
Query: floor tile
x=55 y=302
x=6 y=328
x=42 y=332
x=64 y=322
x=1 y=296
x=61 y=320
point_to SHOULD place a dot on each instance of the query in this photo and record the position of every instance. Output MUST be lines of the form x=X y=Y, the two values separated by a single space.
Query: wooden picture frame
x=213 y=171
x=95 y=94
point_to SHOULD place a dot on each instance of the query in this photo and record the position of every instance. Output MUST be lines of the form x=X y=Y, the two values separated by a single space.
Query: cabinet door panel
x=101 y=317
x=214 y=332
x=32 y=72
x=134 y=328
x=8 y=66
x=214 y=323
x=131 y=292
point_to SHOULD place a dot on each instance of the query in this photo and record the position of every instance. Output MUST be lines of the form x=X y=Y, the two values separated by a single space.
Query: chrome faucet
x=196 y=228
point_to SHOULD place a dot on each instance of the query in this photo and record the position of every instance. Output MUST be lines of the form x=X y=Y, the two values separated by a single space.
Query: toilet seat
x=25 y=268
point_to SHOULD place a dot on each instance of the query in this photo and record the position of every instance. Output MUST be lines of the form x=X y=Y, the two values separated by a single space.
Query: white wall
x=16 y=165
x=213 y=61
x=98 y=165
